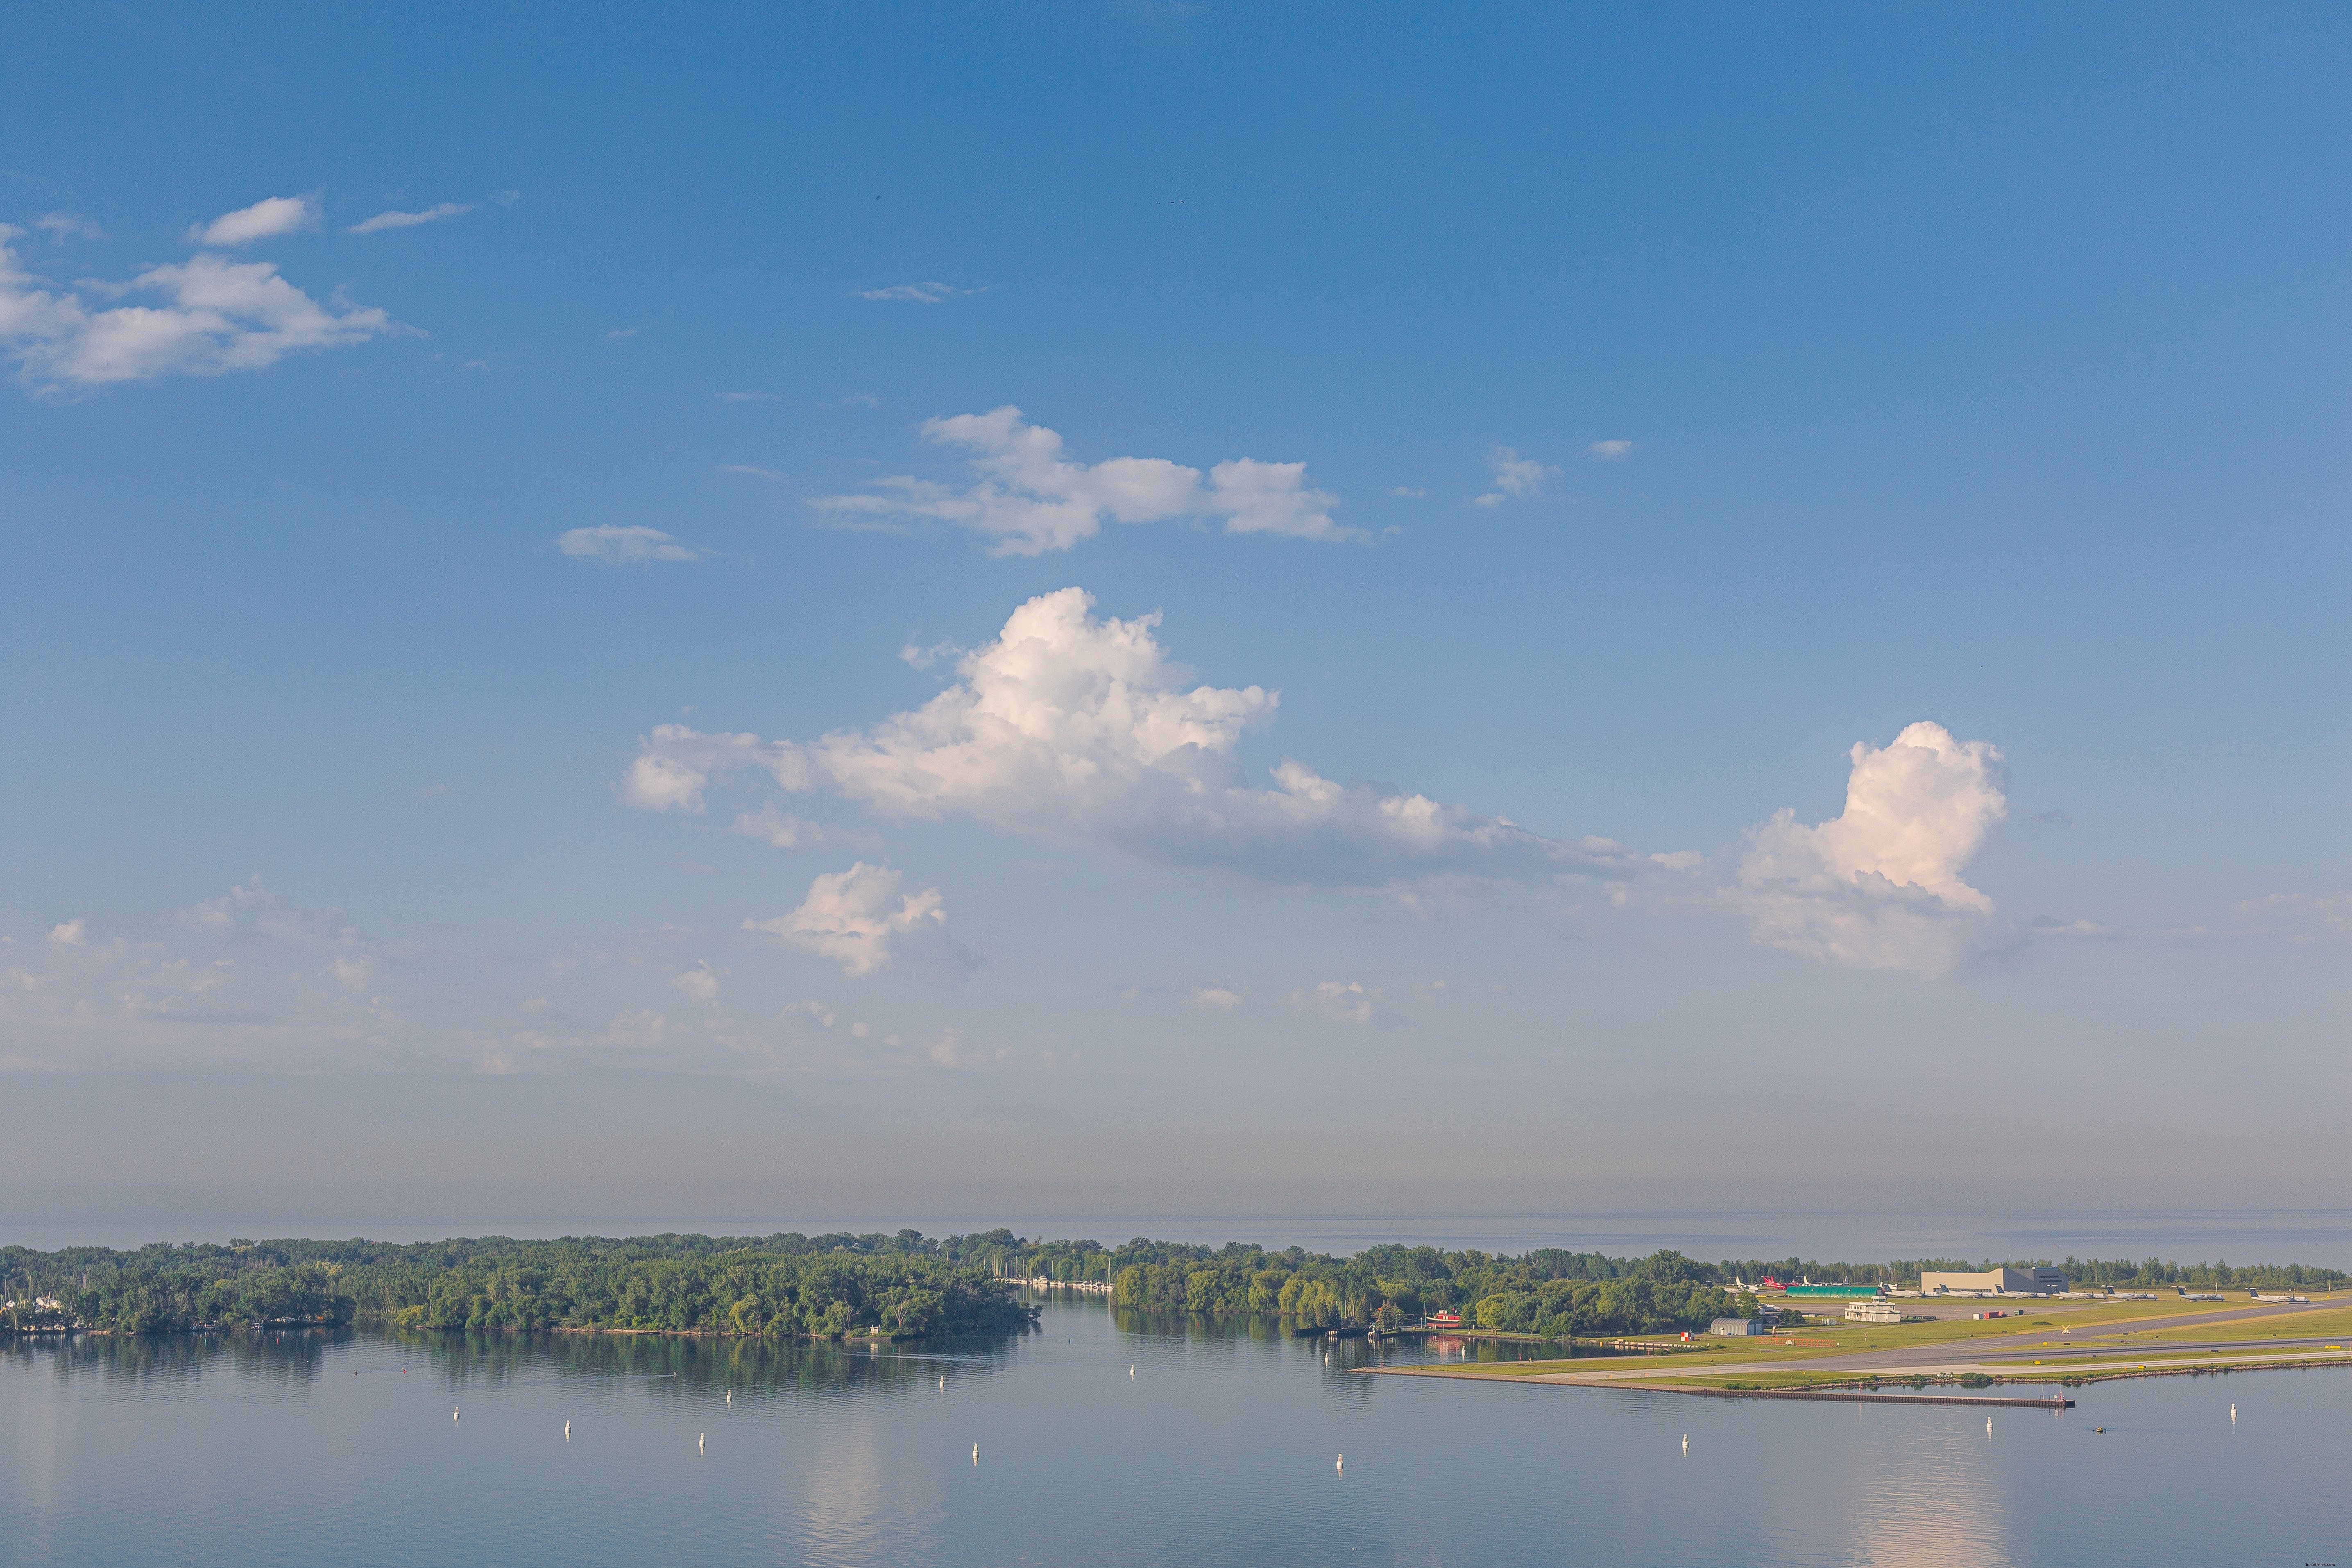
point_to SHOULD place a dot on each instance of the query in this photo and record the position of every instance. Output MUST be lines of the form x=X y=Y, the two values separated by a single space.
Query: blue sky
x=1550 y=441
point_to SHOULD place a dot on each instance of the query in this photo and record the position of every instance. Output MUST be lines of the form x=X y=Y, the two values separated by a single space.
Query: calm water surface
x=310 y=1448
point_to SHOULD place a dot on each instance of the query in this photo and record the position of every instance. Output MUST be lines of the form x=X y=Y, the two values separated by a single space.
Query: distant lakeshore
x=905 y=1285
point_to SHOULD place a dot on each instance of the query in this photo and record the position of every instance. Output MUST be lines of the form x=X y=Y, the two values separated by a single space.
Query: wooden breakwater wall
x=1859 y=1396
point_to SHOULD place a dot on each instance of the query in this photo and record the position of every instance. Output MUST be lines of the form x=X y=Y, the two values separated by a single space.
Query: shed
x=1737 y=1326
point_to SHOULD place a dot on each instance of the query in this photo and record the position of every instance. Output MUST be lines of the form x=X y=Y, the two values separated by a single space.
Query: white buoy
x=2234 y=1416
x=975 y=1453
x=1988 y=1426
x=699 y=1438
x=1342 y=1466
x=730 y=1397
x=1685 y=1442
x=1130 y=1372
x=567 y=1431
x=943 y=1382
x=452 y=1412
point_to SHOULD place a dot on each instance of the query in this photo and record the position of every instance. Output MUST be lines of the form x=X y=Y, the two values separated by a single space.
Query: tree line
x=1904 y=1274
x=908 y=1284
x=787 y=1284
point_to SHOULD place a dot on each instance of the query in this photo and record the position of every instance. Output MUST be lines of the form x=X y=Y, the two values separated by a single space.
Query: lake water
x=309 y=1448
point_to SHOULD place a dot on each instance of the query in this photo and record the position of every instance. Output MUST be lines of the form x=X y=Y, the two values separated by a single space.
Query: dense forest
x=789 y=1285
x=908 y=1284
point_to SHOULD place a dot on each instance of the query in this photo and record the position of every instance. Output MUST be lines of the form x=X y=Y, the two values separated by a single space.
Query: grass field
x=2106 y=1337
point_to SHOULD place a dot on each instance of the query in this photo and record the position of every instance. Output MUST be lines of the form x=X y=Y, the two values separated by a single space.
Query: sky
x=740 y=614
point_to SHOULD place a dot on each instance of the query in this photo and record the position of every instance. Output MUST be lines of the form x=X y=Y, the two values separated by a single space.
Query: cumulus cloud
x=383 y=221
x=1515 y=477
x=862 y=920
x=1080 y=729
x=265 y=218
x=218 y=316
x=917 y=293
x=1610 y=451
x=632 y=546
x=1880 y=884
x=1030 y=498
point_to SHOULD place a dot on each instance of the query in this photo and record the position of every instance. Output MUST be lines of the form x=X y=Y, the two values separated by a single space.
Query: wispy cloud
x=265 y=218
x=922 y=656
x=1029 y=498
x=919 y=293
x=2298 y=917
x=746 y=396
x=750 y=470
x=1407 y=492
x=1515 y=477
x=62 y=226
x=788 y=832
x=1610 y=451
x=218 y=316
x=629 y=546
x=386 y=220
x=619 y=332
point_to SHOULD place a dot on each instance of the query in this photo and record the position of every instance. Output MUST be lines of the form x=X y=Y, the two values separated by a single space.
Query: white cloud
x=1880 y=884
x=618 y=333
x=1029 y=498
x=918 y=293
x=638 y=1029
x=1407 y=492
x=700 y=982
x=287 y=982
x=1515 y=476
x=383 y=221
x=220 y=316
x=271 y=215
x=1081 y=730
x=1216 y=999
x=1345 y=1002
x=633 y=544
x=918 y=656
x=62 y=226
x=862 y=920
x=787 y=832
x=751 y=471
x=1610 y=451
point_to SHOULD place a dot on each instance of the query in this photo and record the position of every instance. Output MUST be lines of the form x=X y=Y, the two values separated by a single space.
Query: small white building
x=1875 y=1310
x=1737 y=1326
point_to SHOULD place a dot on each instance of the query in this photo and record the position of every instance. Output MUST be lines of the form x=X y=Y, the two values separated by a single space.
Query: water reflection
x=305 y=1447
